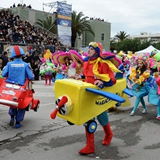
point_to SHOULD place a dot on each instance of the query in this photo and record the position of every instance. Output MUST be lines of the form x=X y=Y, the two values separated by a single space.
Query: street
x=41 y=138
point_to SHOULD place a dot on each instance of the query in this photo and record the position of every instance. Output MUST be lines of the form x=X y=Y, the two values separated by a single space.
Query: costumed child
x=69 y=62
x=17 y=72
x=101 y=73
x=68 y=66
x=136 y=82
x=78 y=60
x=46 y=69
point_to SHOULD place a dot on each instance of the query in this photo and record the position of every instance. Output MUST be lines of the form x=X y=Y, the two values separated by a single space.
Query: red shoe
x=108 y=134
x=89 y=148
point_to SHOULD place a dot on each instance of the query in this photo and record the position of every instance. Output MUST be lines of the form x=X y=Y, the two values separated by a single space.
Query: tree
x=47 y=24
x=129 y=45
x=79 y=25
x=121 y=35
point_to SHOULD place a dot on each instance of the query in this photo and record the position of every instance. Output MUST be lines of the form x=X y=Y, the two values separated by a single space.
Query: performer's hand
x=98 y=83
x=133 y=84
x=77 y=77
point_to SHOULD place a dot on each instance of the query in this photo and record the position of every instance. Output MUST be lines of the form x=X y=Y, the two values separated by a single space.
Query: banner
x=64 y=17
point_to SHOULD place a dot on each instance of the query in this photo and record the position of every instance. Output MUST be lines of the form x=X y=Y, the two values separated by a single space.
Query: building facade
x=144 y=36
x=102 y=32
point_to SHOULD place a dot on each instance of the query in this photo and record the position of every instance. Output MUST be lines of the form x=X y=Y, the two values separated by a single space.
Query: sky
x=130 y=16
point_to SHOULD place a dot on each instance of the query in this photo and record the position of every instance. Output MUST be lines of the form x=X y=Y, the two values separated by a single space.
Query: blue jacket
x=17 y=72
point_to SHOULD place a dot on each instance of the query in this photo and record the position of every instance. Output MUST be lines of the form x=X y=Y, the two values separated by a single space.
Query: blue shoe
x=11 y=122
x=17 y=125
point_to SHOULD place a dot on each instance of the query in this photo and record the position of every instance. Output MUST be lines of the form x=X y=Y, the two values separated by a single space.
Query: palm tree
x=79 y=25
x=47 y=24
x=121 y=35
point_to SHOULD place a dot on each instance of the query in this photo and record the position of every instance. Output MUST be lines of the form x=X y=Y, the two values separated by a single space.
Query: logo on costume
x=17 y=65
x=102 y=101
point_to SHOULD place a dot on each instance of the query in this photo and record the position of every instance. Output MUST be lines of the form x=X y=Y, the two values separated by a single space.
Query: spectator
x=4 y=59
x=14 y=30
x=14 y=5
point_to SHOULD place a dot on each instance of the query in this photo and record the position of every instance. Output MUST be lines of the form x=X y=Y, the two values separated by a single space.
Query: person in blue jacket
x=17 y=72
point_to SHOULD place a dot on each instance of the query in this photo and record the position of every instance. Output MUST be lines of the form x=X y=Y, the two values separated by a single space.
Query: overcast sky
x=131 y=16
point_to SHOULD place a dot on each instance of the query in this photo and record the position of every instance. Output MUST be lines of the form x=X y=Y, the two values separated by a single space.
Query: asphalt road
x=41 y=138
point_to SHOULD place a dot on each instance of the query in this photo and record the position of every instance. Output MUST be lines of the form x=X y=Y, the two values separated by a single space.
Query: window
x=102 y=36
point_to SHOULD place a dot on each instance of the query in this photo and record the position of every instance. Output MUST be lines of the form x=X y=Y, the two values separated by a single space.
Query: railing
x=39 y=48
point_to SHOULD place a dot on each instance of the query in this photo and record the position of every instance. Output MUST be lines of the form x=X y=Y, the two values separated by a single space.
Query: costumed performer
x=154 y=87
x=47 y=55
x=67 y=64
x=47 y=68
x=17 y=72
x=118 y=63
x=136 y=82
x=70 y=62
x=98 y=72
x=78 y=59
x=127 y=64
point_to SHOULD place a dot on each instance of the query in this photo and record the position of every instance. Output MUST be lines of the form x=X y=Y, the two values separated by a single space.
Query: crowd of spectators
x=14 y=30
x=33 y=58
x=21 y=5
x=99 y=19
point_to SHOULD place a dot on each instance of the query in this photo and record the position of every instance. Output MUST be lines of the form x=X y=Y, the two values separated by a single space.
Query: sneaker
x=11 y=123
x=132 y=113
x=144 y=111
x=17 y=125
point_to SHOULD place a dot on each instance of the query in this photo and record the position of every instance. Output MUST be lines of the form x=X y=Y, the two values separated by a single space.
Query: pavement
x=41 y=138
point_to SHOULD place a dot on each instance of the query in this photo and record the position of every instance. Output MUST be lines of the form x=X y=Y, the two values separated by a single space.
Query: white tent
x=147 y=50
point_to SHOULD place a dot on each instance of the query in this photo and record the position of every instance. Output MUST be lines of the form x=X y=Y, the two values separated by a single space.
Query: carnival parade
x=69 y=91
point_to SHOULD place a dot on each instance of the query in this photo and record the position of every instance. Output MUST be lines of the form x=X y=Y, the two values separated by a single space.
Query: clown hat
x=97 y=47
x=75 y=55
x=107 y=55
x=112 y=57
x=61 y=57
x=17 y=51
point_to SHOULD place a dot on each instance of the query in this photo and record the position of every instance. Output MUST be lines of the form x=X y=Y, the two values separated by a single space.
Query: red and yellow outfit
x=93 y=70
x=99 y=69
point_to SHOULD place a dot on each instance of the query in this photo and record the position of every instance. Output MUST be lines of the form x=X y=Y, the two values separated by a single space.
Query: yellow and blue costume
x=136 y=81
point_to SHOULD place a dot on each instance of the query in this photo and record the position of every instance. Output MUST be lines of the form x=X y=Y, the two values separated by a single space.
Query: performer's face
x=91 y=52
x=140 y=64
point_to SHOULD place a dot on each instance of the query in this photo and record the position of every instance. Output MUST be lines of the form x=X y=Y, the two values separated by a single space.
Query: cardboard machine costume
x=17 y=72
x=98 y=73
x=95 y=68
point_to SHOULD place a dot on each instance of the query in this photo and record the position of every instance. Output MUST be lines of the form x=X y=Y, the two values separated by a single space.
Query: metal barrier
x=4 y=46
